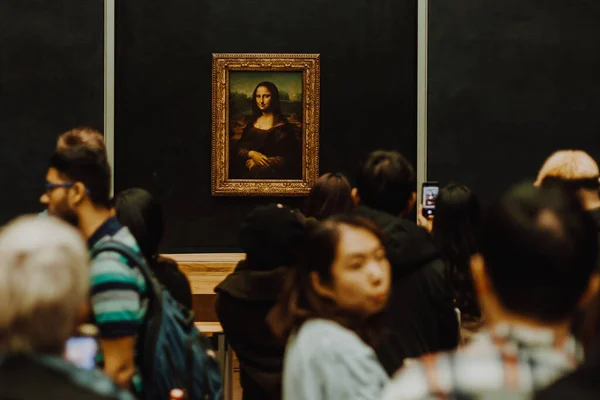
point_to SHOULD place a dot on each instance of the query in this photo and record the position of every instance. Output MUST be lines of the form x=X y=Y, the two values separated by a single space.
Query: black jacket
x=244 y=299
x=30 y=377
x=421 y=316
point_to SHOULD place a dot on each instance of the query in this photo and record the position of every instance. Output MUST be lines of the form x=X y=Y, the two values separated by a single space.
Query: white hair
x=44 y=281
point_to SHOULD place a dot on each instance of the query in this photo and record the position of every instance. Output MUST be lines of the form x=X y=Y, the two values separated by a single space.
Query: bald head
x=569 y=165
x=578 y=170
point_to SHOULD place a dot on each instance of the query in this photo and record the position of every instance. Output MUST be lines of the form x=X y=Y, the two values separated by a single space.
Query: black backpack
x=172 y=353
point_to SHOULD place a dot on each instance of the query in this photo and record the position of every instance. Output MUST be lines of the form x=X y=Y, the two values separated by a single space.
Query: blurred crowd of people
x=345 y=299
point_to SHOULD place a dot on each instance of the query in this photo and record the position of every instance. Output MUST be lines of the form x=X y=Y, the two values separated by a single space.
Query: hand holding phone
x=428 y=196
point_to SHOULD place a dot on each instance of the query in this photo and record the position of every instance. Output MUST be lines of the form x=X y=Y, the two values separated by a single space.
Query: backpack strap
x=138 y=261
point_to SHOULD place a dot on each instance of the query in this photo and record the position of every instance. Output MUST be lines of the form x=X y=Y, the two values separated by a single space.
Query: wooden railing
x=205 y=271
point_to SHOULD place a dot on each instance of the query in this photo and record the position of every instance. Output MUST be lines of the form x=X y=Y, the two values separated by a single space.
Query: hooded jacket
x=269 y=236
x=420 y=312
x=243 y=300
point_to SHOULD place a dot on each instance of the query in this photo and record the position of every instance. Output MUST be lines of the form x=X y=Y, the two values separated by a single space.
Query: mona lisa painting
x=265 y=124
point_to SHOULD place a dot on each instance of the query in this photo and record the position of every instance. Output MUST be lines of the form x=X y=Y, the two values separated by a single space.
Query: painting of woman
x=270 y=146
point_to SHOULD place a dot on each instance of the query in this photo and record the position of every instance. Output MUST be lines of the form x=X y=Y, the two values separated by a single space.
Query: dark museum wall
x=51 y=79
x=163 y=97
x=509 y=83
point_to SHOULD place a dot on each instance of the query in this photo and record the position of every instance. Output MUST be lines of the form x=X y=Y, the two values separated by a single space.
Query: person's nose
x=375 y=272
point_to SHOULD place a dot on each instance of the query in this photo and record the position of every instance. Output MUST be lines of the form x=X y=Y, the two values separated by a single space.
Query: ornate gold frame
x=222 y=64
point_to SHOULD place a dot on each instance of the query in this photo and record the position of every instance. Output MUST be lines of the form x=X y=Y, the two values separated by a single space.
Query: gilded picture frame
x=265 y=124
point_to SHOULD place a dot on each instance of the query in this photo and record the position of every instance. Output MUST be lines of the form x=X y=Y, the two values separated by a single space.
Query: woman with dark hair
x=455 y=230
x=139 y=211
x=330 y=195
x=269 y=147
x=330 y=313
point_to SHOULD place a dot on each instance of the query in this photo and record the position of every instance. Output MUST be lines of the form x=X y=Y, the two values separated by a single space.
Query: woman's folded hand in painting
x=258 y=158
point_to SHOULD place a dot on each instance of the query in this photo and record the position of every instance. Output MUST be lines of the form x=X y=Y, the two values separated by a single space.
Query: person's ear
x=410 y=204
x=355 y=196
x=480 y=278
x=320 y=288
x=45 y=199
x=591 y=291
x=77 y=193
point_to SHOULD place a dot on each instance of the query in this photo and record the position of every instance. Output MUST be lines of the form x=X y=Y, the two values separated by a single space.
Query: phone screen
x=81 y=351
x=430 y=192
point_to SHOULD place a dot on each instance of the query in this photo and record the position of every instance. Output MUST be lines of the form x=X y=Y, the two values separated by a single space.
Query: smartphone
x=428 y=196
x=81 y=351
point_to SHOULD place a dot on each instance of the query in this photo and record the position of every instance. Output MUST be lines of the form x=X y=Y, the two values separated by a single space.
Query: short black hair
x=386 y=181
x=572 y=185
x=141 y=212
x=88 y=166
x=540 y=249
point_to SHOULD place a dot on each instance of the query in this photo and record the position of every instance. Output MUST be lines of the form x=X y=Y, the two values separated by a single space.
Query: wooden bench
x=205 y=272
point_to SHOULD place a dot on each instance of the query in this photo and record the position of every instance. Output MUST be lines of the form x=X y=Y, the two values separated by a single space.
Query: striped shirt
x=118 y=290
x=507 y=358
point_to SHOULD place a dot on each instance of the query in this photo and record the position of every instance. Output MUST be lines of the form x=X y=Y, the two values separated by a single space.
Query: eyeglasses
x=51 y=186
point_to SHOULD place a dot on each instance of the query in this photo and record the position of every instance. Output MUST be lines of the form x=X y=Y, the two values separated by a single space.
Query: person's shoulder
x=287 y=124
x=321 y=330
x=473 y=369
x=125 y=237
x=112 y=260
x=167 y=268
x=97 y=384
x=54 y=374
x=387 y=222
x=422 y=377
x=393 y=225
x=410 y=382
x=322 y=337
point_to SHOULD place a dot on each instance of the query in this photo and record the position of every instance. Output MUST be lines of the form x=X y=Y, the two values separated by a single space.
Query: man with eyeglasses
x=80 y=136
x=78 y=191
